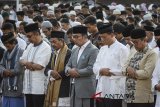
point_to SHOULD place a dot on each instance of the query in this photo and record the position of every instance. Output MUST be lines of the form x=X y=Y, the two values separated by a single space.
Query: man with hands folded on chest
x=80 y=68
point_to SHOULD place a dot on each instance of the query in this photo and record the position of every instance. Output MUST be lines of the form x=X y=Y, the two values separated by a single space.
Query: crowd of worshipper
x=80 y=55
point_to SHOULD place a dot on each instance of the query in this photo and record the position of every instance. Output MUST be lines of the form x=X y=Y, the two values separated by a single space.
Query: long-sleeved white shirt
x=112 y=57
x=156 y=80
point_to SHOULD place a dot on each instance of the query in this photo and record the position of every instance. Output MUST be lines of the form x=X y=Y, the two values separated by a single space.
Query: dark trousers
x=155 y=97
x=140 y=105
x=105 y=102
x=34 y=100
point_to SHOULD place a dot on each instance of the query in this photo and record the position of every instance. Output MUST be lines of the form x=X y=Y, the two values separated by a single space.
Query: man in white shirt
x=80 y=69
x=127 y=38
x=112 y=56
x=156 y=78
x=10 y=26
x=150 y=36
x=35 y=58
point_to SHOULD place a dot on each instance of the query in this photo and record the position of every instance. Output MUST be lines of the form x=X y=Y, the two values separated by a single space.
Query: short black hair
x=13 y=41
x=69 y=31
x=112 y=18
x=131 y=19
x=85 y=6
x=71 y=8
x=147 y=23
x=54 y=22
x=37 y=31
x=23 y=24
x=38 y=18
x=94 y=9
x=118 y=28
x=105 y=7
x=64 y=20
x=7 y=26
x=90 y=20
x=44 y=8
x=57 y=11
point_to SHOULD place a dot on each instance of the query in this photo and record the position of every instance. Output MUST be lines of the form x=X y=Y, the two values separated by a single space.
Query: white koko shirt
x=112 y=57
x=34 y=81
x=156 y=80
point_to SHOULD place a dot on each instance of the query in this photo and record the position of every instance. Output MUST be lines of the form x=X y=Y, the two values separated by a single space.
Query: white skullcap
x=133 y=6
x=120 y=7
x=77 y=7
x=75 y=24
x=50 y=12
x=116 y=12
x=147 y=17
x=91 y=6
x=150 y=6
x=66 y=13
x=29 y=20
x=138 y=7
x=72 y=13
x=51 y=8
x=77 y=4
x=111 y=7
x=18 y=23
x=46 y=24
x=55 y=4
x=47 y=5
x=99 y=20
x=6 y=7
x=113 y=4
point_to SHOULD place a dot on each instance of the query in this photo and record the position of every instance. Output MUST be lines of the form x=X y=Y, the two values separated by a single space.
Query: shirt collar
x=58 y=51
x=113 y=44
x=38 y=43
x=85 y=45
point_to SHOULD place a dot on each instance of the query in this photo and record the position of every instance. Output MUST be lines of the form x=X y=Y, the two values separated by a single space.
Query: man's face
x=21 y=29
x=20 y=18
x=149 y=36
x=118 y=36
x=46 y=32
x=7 y=31
x=106 y=38
x=157 y=37
x=90 y=28
x=58 y=15
x=64 y=26
x=56 y=43
x=51 y=16
x=78 y=39
x=9 y=46
x=73 y=17
x=138 y=44
x=84 y=10
x=44 y=12
x=70 y=37
x=31 y=37
x=128 y=40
